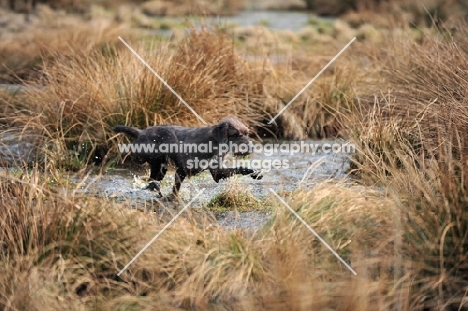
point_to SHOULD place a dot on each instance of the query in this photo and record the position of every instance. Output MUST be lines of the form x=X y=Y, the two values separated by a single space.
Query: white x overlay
x=203 y=121
x=160 y=232
x=162 y=80
x=312 y=81
x=313 y=231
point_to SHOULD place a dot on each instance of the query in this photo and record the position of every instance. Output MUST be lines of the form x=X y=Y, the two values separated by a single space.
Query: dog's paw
x=257 y=174
x=138 y=183
x=153 y=186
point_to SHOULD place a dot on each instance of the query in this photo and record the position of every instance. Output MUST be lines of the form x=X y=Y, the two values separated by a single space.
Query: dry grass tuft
x=235 y=196
x=23 y=55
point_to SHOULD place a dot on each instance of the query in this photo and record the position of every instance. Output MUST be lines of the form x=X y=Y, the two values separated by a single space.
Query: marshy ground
x=72 y=215
x=305 y=170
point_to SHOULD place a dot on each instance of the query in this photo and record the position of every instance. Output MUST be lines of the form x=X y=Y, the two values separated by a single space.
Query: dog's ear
x=220 y=133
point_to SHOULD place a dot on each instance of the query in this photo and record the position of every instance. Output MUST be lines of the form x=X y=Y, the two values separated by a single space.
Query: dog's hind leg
x=179 y=178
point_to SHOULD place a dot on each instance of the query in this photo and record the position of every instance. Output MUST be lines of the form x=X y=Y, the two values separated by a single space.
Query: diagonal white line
x=160 y=232
x=162 y=80
x=313 y=231
x=312 y=81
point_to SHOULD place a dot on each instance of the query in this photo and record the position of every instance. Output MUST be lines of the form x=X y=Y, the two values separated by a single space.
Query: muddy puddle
x=304 y=170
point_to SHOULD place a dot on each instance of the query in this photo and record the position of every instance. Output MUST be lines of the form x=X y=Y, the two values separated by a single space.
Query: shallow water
x=274 y=20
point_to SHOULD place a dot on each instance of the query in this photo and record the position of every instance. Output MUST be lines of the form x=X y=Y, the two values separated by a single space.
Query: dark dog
x=230 y=130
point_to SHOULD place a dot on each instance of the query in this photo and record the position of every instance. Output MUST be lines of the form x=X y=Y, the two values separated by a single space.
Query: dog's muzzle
x=244 y=149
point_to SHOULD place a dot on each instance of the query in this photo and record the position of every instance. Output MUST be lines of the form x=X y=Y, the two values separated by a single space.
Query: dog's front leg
x=158 y=171
x=223 y=173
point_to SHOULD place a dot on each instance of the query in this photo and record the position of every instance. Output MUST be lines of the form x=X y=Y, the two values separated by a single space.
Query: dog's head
x=233 y=132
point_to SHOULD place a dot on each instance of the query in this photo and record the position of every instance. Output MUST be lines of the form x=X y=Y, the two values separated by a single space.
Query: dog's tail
x=127 y=130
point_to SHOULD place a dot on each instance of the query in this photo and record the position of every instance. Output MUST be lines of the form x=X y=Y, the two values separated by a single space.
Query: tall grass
x=55 y=244
x=413 y=144
x=89 y=92
x=84 y=92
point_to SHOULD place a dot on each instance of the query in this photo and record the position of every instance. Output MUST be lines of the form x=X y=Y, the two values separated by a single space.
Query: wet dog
x=230 y=131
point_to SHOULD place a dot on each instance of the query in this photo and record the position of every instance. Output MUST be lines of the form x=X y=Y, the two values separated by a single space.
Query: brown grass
x=62 y=246
x=393 y=13
x=151 y=8
x=49 y=234
x=24 y=54
x=412 y=143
